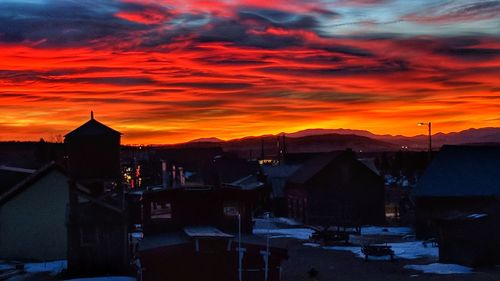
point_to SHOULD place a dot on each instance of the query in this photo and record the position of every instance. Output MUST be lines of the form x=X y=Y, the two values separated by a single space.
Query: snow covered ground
x=54 y=267
x=440 y=268
x=403 y=250
x=297 y=233
x=379 y=230
x=276 y=231
x=105 y=278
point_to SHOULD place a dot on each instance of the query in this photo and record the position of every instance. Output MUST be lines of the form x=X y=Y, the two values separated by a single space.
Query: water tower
x=97 y=225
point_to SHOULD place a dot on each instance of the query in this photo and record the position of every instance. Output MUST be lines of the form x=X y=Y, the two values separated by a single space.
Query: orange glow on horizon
x=166 y=72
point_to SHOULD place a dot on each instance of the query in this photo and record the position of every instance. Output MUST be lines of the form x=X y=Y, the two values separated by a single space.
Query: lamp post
x=429 y=125
x=240 y=257
x=266 y=269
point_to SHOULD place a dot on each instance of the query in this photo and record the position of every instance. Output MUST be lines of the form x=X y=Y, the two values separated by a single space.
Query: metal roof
x=461 y=171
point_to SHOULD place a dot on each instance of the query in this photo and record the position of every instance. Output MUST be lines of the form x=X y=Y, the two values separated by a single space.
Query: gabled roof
x=10 y=176
x=92 y=128
x=313 y=166
x=462 y=171
x=280 y=171
x=232 y=169
x=28 y=181
x=247 y=183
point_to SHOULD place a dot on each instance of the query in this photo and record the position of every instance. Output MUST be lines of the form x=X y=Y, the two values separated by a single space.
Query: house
x=33 y=215
x=460 y=179
x=335 y=189
x=457 y=202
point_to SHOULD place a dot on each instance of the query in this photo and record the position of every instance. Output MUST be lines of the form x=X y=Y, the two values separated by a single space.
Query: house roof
x=313 y=166
x=230 y=170
x=280 y=171
x=247 y=183
x=10 y=176
x=462 y=171
x=370 y=163
x=28 y=181
x=92 y=128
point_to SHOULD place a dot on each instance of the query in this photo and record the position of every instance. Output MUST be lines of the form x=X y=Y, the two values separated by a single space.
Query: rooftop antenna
x=92 y=114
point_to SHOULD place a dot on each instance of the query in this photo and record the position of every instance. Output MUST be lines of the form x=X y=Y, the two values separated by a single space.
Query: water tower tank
x=93 y=152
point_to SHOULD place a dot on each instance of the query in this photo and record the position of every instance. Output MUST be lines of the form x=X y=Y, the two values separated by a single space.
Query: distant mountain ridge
x=215 y=140
x=317 y=140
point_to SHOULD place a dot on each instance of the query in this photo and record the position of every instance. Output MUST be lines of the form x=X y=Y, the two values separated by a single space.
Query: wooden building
x=33 y=216
x=191 y=233
x=172 y=209
x=336 y=189
x=460 y=179
x=97 y=219
x=470 y=238
x=205 y=253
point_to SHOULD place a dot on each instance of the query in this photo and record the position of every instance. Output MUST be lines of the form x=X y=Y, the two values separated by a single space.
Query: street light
x=240 y=256
x=429 y=125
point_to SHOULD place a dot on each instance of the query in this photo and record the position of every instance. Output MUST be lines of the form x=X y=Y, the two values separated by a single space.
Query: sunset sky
x=172 y=71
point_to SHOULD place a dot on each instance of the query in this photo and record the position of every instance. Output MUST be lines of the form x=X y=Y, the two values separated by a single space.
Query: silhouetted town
x=275 y=209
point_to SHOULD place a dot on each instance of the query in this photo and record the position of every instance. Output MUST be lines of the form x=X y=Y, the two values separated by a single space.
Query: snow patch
x=311 y=244
x=54 y=267
x=440 y=268
x=404 y=250
x=378 y=230
x=6 y=266
x=105 y=278
x=297 y=233
x=477 y=216
x=286 y=221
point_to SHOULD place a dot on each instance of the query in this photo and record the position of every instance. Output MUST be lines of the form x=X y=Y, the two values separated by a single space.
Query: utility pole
x=429 y=126
x=240 y=257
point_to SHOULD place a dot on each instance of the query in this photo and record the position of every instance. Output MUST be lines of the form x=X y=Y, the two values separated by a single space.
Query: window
x=161 y=210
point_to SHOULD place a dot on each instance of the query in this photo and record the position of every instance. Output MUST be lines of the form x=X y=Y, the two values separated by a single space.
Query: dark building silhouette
x=93 y=152
x=97 y=226
x=470 y=238
x=457 y=203
x=459 y=179
x=336 y=189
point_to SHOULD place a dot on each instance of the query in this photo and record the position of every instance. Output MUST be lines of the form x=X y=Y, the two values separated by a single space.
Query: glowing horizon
x=174 y=71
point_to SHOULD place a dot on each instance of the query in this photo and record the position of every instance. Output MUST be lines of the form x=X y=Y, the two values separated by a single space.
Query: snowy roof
x=205 y=232
x=247 y=183
x=28 y=181
x=280 y=171
x=163 y=240
x=370 y=163
x=459 y=171
x=10 y=176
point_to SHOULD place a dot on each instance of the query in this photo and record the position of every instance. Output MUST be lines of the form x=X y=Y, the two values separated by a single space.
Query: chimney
x=164 y=174
x=182 y=179
x=174 y=182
